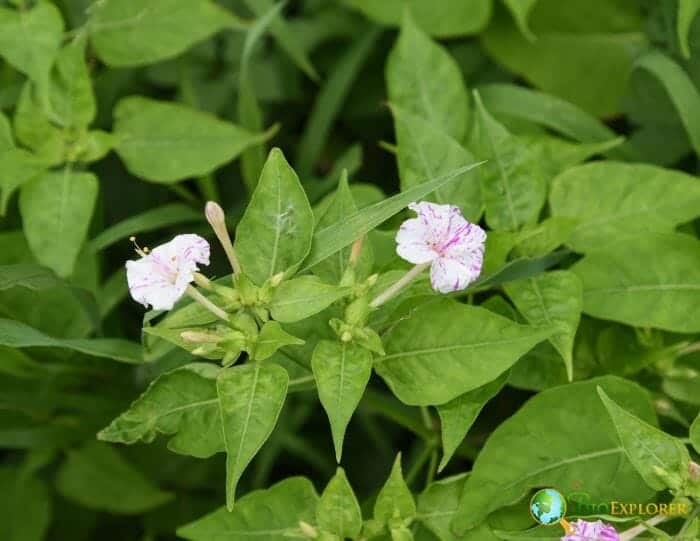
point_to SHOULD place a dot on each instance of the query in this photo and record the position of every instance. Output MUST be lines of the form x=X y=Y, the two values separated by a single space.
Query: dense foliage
x=569 y=130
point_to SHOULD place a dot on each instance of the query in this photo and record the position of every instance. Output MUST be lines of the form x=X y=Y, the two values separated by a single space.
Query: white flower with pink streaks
x=441 y=237
x=592 y=531
x=161 y=277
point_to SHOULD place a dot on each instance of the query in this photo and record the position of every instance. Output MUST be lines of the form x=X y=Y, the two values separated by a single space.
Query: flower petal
x=448 y=274
x=160 y=278
x=412 y=242
x=150 y=287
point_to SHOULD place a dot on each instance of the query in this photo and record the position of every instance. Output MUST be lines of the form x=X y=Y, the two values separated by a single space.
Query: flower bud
x=199 y=337
x=277 y=279
x=346 y=336
x=308 y=530
x=215 y=214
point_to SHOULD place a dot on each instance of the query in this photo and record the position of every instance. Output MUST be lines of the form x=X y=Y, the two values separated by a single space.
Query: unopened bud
x=199 y=337
x=215 y=214
x=308 y=530
x=694 y=470
x=372 y=279
x=346 y=336
x=217 y=219
x=277 y=279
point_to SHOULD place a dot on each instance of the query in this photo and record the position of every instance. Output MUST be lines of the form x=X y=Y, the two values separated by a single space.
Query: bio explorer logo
x=548 y=506
x=580 y=503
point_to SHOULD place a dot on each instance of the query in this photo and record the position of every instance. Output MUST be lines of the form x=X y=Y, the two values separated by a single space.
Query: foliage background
x=83 y=166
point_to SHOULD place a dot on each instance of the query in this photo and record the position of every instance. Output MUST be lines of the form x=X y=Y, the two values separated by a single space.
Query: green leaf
x=150 y=220
x=651 y=280
x=72 y=98
x=556 y=439
x=181 y=403
x=18 y=335
x=605 y=36
x=330 y=100
x=425 y=81
x=445 y=349
x=681 y=90
x=687 y=10
x=18 y=167
x=426 y=151
x=284 y=36
x=30 y=39
x=610 y=199
x=276 y=230
x=338 y=511
x=330 y=239
x=25 y=506
x=271 y=338
x=299 y=298
x=342 y=372
x=28 y=275
x=512 y=185
x=97 y=477
x=650 y=450
x=166 y=142
x=547 y=110
x=545 y=237
x=437 y=506
x=552 y=299
x=395 y=500
x=129 y=33
x=34 y=129
x=521 y=11
x=458 y=415
x=56 y=211
x=341 y=205
x=448 y=18
x=264 y=515
x=251 y=397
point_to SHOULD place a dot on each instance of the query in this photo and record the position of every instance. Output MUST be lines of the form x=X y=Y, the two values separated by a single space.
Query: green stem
x=208 y=188
x=417 y=466
x=185 y=194
x=376 y=402
x=399 y=285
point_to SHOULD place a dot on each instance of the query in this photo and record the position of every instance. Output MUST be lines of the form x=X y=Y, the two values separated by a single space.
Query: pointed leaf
x=441 y=99
x=556 y=439
x=181 y=403
x=395 y=500
x=610 y=199
x=426 y=151
x=687 y=10
x=341 y=372
x=271 y=338
x=25 y=506
x=341 y=205
x=30 y=39
x=264 y=515
x=648 y=448
x=458 y=415
x=299 y=298
x=72 y=98
x=470 y=347
x=16 y=334
x=338 y=511
x=166 y=142
x=56 y=210
x=512 y=185
x=251 y=397
x=17 y=167
x=553 y=299
x=275 y=232
x=652 y=280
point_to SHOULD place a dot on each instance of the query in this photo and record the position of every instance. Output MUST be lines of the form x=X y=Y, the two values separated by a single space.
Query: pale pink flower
x=161 y=276
x=592 y=531
x=442 y=237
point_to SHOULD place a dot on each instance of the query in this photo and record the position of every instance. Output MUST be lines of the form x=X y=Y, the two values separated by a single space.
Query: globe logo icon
x=548 y=506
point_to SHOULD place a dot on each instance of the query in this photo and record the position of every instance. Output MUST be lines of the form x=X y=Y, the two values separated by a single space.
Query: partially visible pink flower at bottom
x=592 y=531
x=442 y=237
